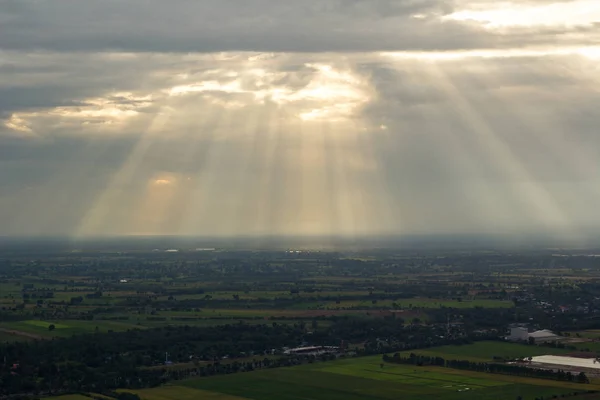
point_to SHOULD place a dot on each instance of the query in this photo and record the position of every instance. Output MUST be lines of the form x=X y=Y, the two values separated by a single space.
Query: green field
x=486 y=351
x=594 y=347
x=182 y=393
x=65 y=328
x=405 y=304
x=9 y=337
x=588 y=334
x=361 y=379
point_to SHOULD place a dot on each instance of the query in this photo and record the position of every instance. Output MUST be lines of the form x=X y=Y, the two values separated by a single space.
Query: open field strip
x=487 y=350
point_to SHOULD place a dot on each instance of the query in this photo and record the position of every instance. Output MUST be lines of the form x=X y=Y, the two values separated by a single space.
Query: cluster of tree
x=494 y=368
x=122 y=359
x=477 y=317
x=111 y=360
x=126 y=396
x=53 y=379
x=564 y=395
x=221 y=368
x=73 y=378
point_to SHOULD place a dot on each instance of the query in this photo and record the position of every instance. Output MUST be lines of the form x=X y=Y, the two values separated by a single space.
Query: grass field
x=485 y=351
x=182 y=393
x=406 y=304
x=9 y=337
x=361 y=379
x=591 y=346
x=588 y=334
x=65 y=328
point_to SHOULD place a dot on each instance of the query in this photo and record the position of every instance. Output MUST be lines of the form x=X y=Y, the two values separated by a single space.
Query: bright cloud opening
x=331 y=93
x=507 y=14
x=16 y=123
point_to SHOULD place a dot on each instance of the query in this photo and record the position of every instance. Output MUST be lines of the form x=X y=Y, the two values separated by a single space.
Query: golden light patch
x=509 y=14
x=16 y=123
x=331 y=93
x=590 y=52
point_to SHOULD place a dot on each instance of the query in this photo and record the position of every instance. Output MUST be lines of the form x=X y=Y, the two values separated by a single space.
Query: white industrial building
x=521 y=333
x=312 y=350
x=587 y=363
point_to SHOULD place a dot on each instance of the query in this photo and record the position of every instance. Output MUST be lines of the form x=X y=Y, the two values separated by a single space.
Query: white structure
x=556 y=361
x=520 y=333
x=544 y=336
x=312 y=350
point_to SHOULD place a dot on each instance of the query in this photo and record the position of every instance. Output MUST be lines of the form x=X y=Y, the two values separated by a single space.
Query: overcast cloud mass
x=311 y=117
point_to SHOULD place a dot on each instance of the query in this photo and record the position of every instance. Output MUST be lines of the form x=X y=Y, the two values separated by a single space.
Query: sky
x=287 y=117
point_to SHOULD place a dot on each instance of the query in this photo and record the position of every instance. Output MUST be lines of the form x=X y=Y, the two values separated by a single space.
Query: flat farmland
x=170 y=392
x=487 y=350
x=263 y=313
x=361 y=379
x=266 y=294
x=368 y=303
x=588 y=333
x=39 y=329
x=65 y=328
x=464 y=303
x=6 y=335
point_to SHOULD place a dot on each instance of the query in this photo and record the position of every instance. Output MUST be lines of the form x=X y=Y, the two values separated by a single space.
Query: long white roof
x=542 y=333
x=564 y=361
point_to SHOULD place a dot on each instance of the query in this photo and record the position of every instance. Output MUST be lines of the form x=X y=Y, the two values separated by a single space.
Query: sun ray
x=206 y=196
x=66 y=183
x=261 y=168
x=331 y=182
x=347 y=197
x=196 y=145
x=556 y=144
x=235 y=197
x=251 y=179
x=271 y=211
x=160 y=206
x=431 y=126
x=95 y=219
x=520 y=181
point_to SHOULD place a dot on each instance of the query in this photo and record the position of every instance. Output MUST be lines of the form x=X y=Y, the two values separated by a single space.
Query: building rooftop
x=567 y=361
x=542 y=333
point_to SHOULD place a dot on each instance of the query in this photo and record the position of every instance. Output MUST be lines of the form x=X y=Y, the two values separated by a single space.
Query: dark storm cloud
x=253 y=25
x=27 y=98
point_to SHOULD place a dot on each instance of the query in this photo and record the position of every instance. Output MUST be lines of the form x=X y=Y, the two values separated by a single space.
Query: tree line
x=136 y=358
x=494 y=368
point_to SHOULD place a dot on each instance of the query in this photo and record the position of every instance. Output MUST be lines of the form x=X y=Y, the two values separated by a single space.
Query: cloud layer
x=294 y=26
x=315 y=117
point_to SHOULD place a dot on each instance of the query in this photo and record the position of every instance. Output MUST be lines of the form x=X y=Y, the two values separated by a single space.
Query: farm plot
x=170 y=392
x=365 y=378
x=487 y=350
x=63 y=328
